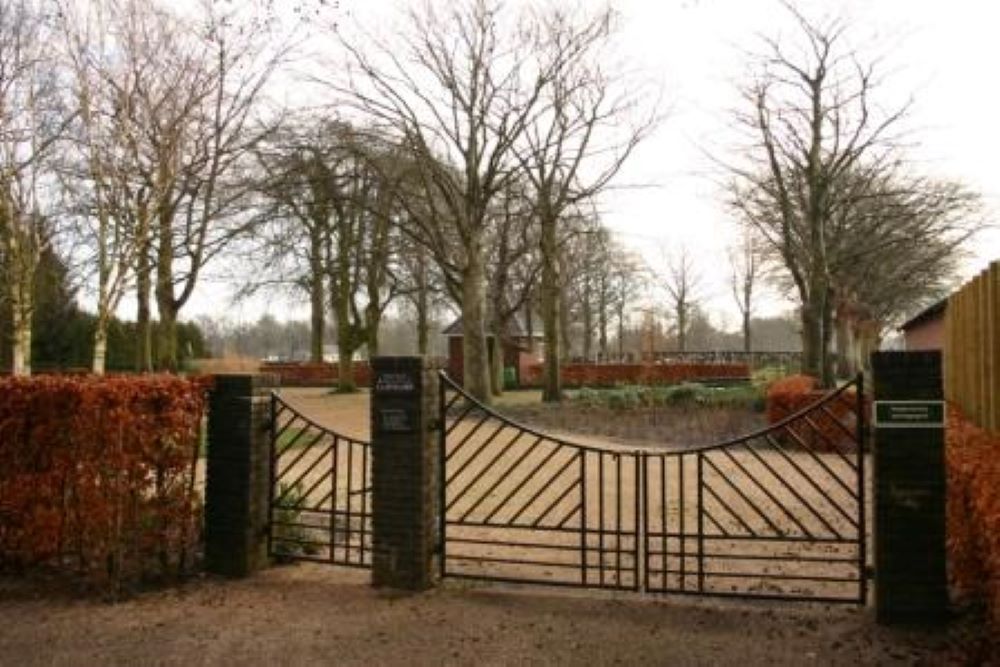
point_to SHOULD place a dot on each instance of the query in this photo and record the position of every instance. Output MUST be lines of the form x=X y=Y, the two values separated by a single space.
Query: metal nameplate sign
x=395 y=420
x=909 y=414
x=395 y=383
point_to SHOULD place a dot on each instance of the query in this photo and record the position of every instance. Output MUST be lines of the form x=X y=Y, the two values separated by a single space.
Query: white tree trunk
x=100 y=347
x=21 y=312
x=474 y=352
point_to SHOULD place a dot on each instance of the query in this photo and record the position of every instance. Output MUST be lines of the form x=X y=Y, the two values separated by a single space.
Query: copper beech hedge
x=826 y=430
x=97 y=476
x=973 y=468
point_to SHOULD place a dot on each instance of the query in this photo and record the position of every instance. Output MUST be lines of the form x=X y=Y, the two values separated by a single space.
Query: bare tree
x=190 y=95
x=810 y=118
x=218 y=125
x=590 y=122
x=896 y=249
x=295 y=212
x=101 y=171
x=747 y=261
x=628 y=276
x=456 y=89
x=33 y=118
x=512 y=272
x=328 y=212
x=683 y=283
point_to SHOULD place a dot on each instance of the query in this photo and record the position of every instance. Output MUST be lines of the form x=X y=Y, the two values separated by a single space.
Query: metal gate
x=522 y=506
x=320 y=501
x=775 y=514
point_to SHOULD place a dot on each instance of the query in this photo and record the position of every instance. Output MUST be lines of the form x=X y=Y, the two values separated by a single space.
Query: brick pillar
x=910 y=492
x=238 y=474
x=404 y=472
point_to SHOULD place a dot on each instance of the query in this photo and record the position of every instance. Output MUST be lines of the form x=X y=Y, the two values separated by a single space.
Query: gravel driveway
x=315 y=614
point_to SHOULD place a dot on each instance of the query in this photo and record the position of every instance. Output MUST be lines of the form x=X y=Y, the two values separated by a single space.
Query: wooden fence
x=972 y=348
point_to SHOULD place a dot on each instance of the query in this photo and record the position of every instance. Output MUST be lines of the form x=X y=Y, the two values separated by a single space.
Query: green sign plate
x=909 y=414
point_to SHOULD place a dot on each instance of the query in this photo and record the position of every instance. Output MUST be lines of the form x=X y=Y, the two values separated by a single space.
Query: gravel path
x=312 y=614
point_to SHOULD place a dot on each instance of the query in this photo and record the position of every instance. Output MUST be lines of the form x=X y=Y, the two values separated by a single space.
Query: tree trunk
x=867 y=341
x=682 y=328
x=845 y=346
x=828 y=379
x=144 y=320
x=100 y=345
x=20 y=308
x=166 y=334
x=812 y=340
x=317 y=296
x=166 y=305
x=566 y=346
x=588 y=320
x=602 y=320
x=747 y=347
x=496 y=365
x=621 y=334
x=422 y=304
x=345 y=368
x=551 y=314
x=373 y=318
x=475 y=374
x=345 y=349
x=339 y=268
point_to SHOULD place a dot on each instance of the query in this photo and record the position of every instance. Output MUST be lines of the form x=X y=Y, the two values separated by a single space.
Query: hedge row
x=828 y=429
x=310 y=374
x=97 y=476
x=973 y=468
x=610 y=375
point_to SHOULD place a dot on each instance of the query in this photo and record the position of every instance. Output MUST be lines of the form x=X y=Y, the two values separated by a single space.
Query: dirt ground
x=321 y=614
x=316 y=614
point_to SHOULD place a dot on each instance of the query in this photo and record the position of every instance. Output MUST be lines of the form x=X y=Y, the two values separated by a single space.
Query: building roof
x=933 y=312
x=515 y=328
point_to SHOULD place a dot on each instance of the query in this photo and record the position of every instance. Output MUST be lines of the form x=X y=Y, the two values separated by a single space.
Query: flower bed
x=610 y=375
x=97 y=476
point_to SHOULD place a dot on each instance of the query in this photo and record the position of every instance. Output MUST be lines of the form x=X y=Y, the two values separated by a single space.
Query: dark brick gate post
x=404 y=472
x=237 y=485
x=910 y=491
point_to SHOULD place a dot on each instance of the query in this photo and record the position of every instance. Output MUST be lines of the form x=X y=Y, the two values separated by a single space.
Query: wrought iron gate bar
x=320 y=491
x=475 y=455
x=496 y=484
x=542 y=509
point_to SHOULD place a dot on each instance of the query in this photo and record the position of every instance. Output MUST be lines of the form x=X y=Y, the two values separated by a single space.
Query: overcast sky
x=943 y=54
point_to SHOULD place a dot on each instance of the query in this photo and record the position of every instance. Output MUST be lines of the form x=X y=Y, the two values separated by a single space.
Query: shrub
x=829 y=430
x=683 y=395
x=611 y=375
x=97 y=476
x=686 y=394
x=973 y=469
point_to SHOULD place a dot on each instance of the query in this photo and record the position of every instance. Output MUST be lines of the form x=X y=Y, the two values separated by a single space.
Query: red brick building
x=520 y=349
x=925 y=331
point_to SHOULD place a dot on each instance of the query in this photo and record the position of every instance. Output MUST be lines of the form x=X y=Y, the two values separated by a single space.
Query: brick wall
x=308 y=374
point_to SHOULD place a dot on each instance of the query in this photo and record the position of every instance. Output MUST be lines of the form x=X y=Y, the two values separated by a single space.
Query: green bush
x=509 y=377
x=290 y=536
x=688 y=394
